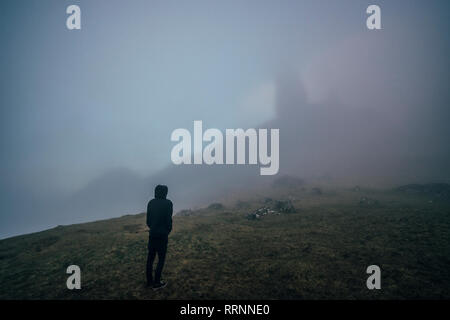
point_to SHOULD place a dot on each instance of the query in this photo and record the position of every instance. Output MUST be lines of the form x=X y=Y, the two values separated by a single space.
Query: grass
x=319 y=252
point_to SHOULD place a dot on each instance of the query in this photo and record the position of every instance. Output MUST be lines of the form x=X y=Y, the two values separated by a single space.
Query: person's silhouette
x=159 y=220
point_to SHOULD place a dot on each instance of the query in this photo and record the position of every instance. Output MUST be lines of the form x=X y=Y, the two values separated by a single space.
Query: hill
x=319 y=249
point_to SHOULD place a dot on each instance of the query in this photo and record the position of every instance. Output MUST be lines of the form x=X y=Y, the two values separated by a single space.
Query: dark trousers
x=156 y=246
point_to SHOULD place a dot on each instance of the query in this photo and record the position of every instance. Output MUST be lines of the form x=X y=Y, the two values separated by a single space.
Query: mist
x=86 y=117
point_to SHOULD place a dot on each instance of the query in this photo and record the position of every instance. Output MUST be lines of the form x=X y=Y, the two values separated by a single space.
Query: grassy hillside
x=321 y=251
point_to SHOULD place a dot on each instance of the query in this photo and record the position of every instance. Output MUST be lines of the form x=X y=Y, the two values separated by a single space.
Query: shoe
x=159 y=285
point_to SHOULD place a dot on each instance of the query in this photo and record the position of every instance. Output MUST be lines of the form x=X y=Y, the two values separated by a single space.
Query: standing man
x=159 y=220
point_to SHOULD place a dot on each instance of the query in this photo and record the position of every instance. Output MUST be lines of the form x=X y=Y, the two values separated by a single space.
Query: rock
x=276 y=207
x=258 y=213
x=253 y=216
x=284 y=206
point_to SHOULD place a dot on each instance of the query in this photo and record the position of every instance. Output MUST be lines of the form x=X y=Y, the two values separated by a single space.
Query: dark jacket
x=159 y=214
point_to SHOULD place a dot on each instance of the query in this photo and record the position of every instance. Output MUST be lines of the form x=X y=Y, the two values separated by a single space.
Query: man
x=159 y=220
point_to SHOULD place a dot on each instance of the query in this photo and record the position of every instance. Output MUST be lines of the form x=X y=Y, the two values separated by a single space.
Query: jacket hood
x=161 y=191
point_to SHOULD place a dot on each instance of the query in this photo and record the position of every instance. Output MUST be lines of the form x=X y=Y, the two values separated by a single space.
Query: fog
x=86 y=116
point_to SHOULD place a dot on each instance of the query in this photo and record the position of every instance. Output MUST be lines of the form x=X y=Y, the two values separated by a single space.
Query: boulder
x=285 y=206
x=258 y=213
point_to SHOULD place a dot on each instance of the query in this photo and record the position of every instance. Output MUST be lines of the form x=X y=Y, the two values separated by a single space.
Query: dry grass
x=319 y=252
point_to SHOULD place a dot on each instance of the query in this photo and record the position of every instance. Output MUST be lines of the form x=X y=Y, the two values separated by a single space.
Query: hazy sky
x=76 y=104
